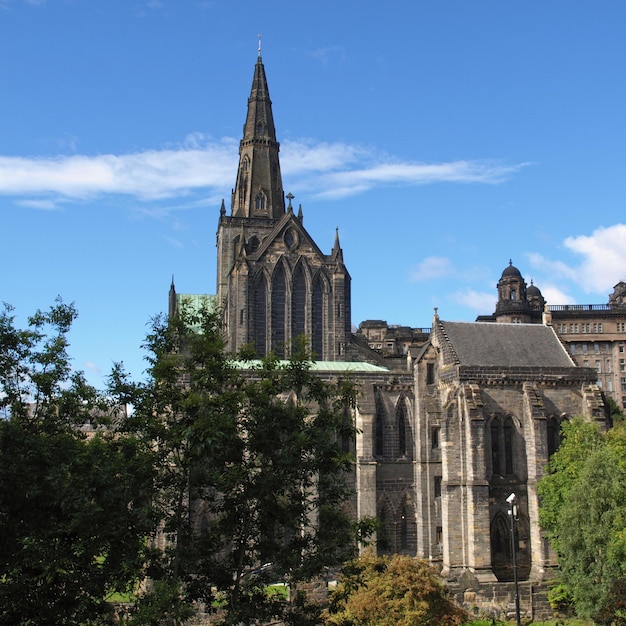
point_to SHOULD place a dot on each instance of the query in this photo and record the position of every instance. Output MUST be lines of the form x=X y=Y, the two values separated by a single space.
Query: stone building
x=450 y=421
x=594 y=334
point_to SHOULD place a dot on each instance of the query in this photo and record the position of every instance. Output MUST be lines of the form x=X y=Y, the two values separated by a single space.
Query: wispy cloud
x=201 y=164
x=326 y=54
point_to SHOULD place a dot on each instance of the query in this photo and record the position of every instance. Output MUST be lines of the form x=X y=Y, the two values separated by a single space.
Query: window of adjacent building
x=623 y=384
x=621 y=347
x=609 y=385
x=597 y=327
x=622 y=365
x=585 y=348
x=572 y=347
x=621 y=327
x=607 y=366
x=598 y=367
x=596 y=348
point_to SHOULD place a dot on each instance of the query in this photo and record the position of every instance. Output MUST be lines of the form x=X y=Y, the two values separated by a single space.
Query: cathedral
x=451 y=419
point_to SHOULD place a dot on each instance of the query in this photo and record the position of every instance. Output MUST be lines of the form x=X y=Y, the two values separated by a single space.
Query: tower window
x=259 y=202
x=513 y=294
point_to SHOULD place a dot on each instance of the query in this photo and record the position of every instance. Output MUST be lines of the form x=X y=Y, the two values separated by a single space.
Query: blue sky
x=441 y=137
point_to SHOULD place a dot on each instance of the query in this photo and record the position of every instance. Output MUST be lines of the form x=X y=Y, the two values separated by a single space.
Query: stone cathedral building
x=451 y=419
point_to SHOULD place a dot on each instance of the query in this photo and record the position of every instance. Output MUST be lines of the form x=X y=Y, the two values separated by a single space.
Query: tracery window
x=259 y=202
x=317 y=318
x=402 y=426
x=259 y=303
x=379 y=426
x=502 y=434
x=278 y=312
x=298 y=302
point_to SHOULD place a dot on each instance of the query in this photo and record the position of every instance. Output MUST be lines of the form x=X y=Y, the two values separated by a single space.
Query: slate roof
x=506 y=345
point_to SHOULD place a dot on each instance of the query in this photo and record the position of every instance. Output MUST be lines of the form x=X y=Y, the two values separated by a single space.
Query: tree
x=73 y=514
x=392 y=591
x=252 y=465
x=584 y=511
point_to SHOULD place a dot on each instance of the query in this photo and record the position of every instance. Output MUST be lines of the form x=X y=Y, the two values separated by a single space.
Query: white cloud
x=483 y=303
x=555 y=295
x=602 y=261
x=603 y=257
x=431 y=268
x=200 y=163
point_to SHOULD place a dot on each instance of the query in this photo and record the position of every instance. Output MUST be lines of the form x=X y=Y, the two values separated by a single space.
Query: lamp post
x=512 y=500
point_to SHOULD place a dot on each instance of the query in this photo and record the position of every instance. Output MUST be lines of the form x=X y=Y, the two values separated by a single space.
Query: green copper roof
x=323 y=366
x=196 y=302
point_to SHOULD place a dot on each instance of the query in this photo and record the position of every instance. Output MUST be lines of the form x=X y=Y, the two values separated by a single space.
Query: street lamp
x=513 y=514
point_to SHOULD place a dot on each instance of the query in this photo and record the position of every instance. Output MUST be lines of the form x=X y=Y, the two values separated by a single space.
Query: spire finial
x=259 y=49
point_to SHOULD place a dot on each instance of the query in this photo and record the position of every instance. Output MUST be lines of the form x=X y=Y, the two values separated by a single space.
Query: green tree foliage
x=73 y=514
x=392 y=591
x=251 y=470
x=584 y=512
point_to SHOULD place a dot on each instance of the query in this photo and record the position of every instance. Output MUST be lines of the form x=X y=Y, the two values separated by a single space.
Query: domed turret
x=512 y=305
x=511 y=271
x=535 y=298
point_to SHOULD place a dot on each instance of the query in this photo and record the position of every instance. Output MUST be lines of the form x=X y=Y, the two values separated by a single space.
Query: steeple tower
x=259 y=188
x=274 y=284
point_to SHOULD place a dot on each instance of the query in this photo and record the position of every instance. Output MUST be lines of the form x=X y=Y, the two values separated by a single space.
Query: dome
x=533 y=291
x=511 y=271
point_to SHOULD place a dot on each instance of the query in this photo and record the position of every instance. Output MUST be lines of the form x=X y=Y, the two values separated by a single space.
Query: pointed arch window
x=259 y=201
x=384 y=535
x=298 y=303
x=379 y=427
x=404 y=528
x=502 y=435
x=402 y=427
x=317 y=318
x=254 y=243
x=259 y=303
x=278 y=312
x=554 y=434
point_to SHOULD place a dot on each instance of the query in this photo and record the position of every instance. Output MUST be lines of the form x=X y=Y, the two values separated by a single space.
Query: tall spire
x=259 y=188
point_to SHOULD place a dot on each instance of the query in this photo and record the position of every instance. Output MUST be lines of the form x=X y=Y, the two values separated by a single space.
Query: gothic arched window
x=379 y=427
x=502 y=436
x=298 y=303
x=317 y=318
x=278 y=312
x=259 y=303
x=402 y=426
x=259 y=202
